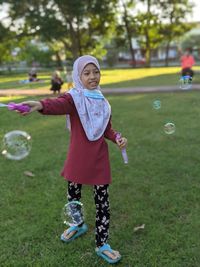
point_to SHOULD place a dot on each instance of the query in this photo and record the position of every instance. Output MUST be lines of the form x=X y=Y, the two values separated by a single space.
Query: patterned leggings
x=101 y=199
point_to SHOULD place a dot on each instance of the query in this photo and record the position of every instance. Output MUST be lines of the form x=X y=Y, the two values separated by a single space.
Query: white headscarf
x=93 y=109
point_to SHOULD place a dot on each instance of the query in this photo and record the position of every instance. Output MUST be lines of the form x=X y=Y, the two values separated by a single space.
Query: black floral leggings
x=101 y=199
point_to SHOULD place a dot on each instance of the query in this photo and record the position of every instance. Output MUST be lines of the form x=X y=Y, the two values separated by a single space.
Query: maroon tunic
x=87 y=161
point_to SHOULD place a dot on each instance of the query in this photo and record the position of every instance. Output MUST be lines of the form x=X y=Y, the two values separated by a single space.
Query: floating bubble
x=16 y=145
x=72 y=213
x=186 y=82
x=157 y=104
x=169 y=128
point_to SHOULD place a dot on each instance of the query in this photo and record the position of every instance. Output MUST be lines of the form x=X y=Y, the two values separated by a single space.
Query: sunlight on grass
x=109 y=78
x=113 y=76
x=10 y=98
x=142 y=77
x=23 y=76
x=15 y=81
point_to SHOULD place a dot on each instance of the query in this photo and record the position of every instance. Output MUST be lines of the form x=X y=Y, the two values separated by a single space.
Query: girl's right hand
x=121 y=142
x=34 y=105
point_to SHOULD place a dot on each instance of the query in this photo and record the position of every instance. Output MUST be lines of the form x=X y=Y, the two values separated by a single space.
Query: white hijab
x=93 y=109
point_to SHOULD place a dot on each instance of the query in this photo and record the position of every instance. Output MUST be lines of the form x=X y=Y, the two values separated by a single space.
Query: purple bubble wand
x=19 y=107
x=123 y=150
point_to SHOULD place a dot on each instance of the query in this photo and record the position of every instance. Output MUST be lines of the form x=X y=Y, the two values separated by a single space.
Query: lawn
x=113 y=78
x=159 y=188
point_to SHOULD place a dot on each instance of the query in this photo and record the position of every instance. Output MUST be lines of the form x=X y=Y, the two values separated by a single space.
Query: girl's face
x=90 y=76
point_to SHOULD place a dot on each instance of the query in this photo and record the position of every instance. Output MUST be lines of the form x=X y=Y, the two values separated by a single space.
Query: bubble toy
x=19 y=107
x=123 y=150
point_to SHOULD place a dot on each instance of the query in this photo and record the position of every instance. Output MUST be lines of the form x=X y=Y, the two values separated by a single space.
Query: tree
x=126 y=27
x=148 y=29
x=145 y=26
x=35 y=53
x=191 y=40
x=174 y=26
x=79 y=25
x=6 y=44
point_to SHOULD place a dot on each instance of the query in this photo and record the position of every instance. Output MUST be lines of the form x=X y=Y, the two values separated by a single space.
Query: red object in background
x=137 y=62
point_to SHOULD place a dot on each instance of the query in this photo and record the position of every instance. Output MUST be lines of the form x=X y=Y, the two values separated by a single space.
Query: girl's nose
x=92 y=75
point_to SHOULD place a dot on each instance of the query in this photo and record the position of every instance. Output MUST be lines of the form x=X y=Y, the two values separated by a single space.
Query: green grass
x=110 y=78
x=160 y=188
x=142 y=77
x=13 y=81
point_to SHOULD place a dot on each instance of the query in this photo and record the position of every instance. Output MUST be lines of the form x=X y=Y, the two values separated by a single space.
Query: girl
x=187 y=62
x=33 y=75
x=89 y=120
x=56 y=82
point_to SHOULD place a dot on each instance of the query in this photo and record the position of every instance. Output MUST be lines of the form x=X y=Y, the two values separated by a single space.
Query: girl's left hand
x=121 y=142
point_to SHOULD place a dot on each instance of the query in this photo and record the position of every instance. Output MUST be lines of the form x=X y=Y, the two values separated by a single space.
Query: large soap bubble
x=186 y=82
x=16 y=145
x=157 y=104
x=169 y=128
x=72 y=213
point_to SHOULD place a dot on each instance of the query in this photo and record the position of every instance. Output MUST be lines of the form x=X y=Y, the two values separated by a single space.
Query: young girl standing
x=89 y=120
x=56 y=82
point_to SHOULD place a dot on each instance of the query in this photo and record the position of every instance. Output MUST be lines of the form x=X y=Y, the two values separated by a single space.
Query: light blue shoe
x=79 y=231
x=100 y=253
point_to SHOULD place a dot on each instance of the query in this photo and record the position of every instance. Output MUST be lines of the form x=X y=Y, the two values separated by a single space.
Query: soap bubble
x=169 y=128
x=157 y=104
x=186 y=82
x=16 y=145
x=72 y=213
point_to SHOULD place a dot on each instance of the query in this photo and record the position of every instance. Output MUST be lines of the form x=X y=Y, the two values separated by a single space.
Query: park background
x=138 y=44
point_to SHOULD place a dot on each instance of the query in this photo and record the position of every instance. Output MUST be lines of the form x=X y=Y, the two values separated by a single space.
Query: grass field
x=117 y=78
x=159 y=188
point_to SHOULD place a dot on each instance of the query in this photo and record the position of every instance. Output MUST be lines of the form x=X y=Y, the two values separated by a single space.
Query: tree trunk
x=58 y=59
x=132 y=52
x=129 y=36
x=148 y=57
x=74 y=45
x=167 y=53
x=148 y=47
x=79 y=38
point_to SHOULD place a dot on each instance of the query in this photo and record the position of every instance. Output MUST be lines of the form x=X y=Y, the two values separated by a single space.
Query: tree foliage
x=75 y=27
x=174 y=13
x=79 y=25
x=7 y=43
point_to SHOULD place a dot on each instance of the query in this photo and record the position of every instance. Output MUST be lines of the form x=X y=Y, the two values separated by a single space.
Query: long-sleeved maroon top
x=87 y=161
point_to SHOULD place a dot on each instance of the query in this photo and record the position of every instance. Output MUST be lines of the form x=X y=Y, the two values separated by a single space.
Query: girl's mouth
x=93 y=83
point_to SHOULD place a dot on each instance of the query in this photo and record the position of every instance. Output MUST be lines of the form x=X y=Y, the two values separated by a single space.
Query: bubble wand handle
x=3 y=105
x=19 y=107
x=123 y=150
